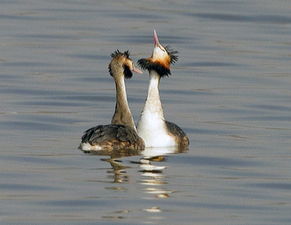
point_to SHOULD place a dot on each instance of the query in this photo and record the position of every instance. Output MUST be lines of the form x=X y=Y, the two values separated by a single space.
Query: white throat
x=151 y=125
x=153 y=102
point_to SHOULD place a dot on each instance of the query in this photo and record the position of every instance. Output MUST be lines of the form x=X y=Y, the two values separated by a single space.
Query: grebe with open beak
x=152 y=126
x=121 y=133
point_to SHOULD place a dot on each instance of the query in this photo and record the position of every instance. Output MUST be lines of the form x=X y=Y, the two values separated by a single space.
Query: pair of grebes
x=152 y=131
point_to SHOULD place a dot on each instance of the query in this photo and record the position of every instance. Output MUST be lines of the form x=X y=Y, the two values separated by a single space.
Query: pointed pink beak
x=136 y=70
x=156 y=39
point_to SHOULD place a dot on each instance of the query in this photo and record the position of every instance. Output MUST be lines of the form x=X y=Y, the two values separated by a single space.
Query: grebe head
x=161 y=59
x=122 y=60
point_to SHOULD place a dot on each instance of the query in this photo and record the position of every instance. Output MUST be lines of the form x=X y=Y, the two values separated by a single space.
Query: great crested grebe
x=121 y=133
x=152 y=126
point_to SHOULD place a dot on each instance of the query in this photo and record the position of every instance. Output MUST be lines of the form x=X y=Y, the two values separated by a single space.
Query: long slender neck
x=153 y=102
x=122 y=114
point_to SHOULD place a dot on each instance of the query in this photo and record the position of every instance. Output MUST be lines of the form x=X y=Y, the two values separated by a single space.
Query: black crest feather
x=172 y=53
x=147 y=64
x=119 y=53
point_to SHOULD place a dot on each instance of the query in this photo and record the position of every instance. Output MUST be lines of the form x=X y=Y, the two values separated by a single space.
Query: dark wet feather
x=178 y=133
x=111 y=132
x=175 y=129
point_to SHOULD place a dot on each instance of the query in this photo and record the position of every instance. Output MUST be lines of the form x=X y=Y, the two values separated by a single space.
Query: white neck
x=151 y=125
x=153 y=102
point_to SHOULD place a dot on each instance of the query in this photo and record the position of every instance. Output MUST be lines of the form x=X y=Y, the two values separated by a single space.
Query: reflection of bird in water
x=152 y=126
x=146 y=165
x=121 y=134
x=119 y=170
x=151 y=167
x=152 y=171
x=153 y=178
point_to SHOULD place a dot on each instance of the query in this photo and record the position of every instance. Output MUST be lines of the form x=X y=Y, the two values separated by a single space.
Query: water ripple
x=275 y=185
x=273 y=19
x=26 y=187
x=36 y=126
x=214 y=161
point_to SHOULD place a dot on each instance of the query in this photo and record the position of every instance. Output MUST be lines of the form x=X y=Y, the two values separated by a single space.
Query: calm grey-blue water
x=230 y=91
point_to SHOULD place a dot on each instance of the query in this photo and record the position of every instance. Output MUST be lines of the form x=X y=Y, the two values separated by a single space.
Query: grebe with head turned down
x=152 y=126
x=121 y=133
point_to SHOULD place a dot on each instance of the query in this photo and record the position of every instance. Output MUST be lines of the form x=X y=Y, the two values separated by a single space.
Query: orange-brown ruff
x=121 y=134
x=160 y=65
x=152 y=126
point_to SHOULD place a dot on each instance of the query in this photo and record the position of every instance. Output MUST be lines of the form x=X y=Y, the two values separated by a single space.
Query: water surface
x=230 y=91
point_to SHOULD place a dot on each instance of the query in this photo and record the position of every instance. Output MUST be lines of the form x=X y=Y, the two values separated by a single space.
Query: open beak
x=156 y=39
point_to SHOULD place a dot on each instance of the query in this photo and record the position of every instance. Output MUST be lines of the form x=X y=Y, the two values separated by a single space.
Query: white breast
x=151 y=125
x=152 y=129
